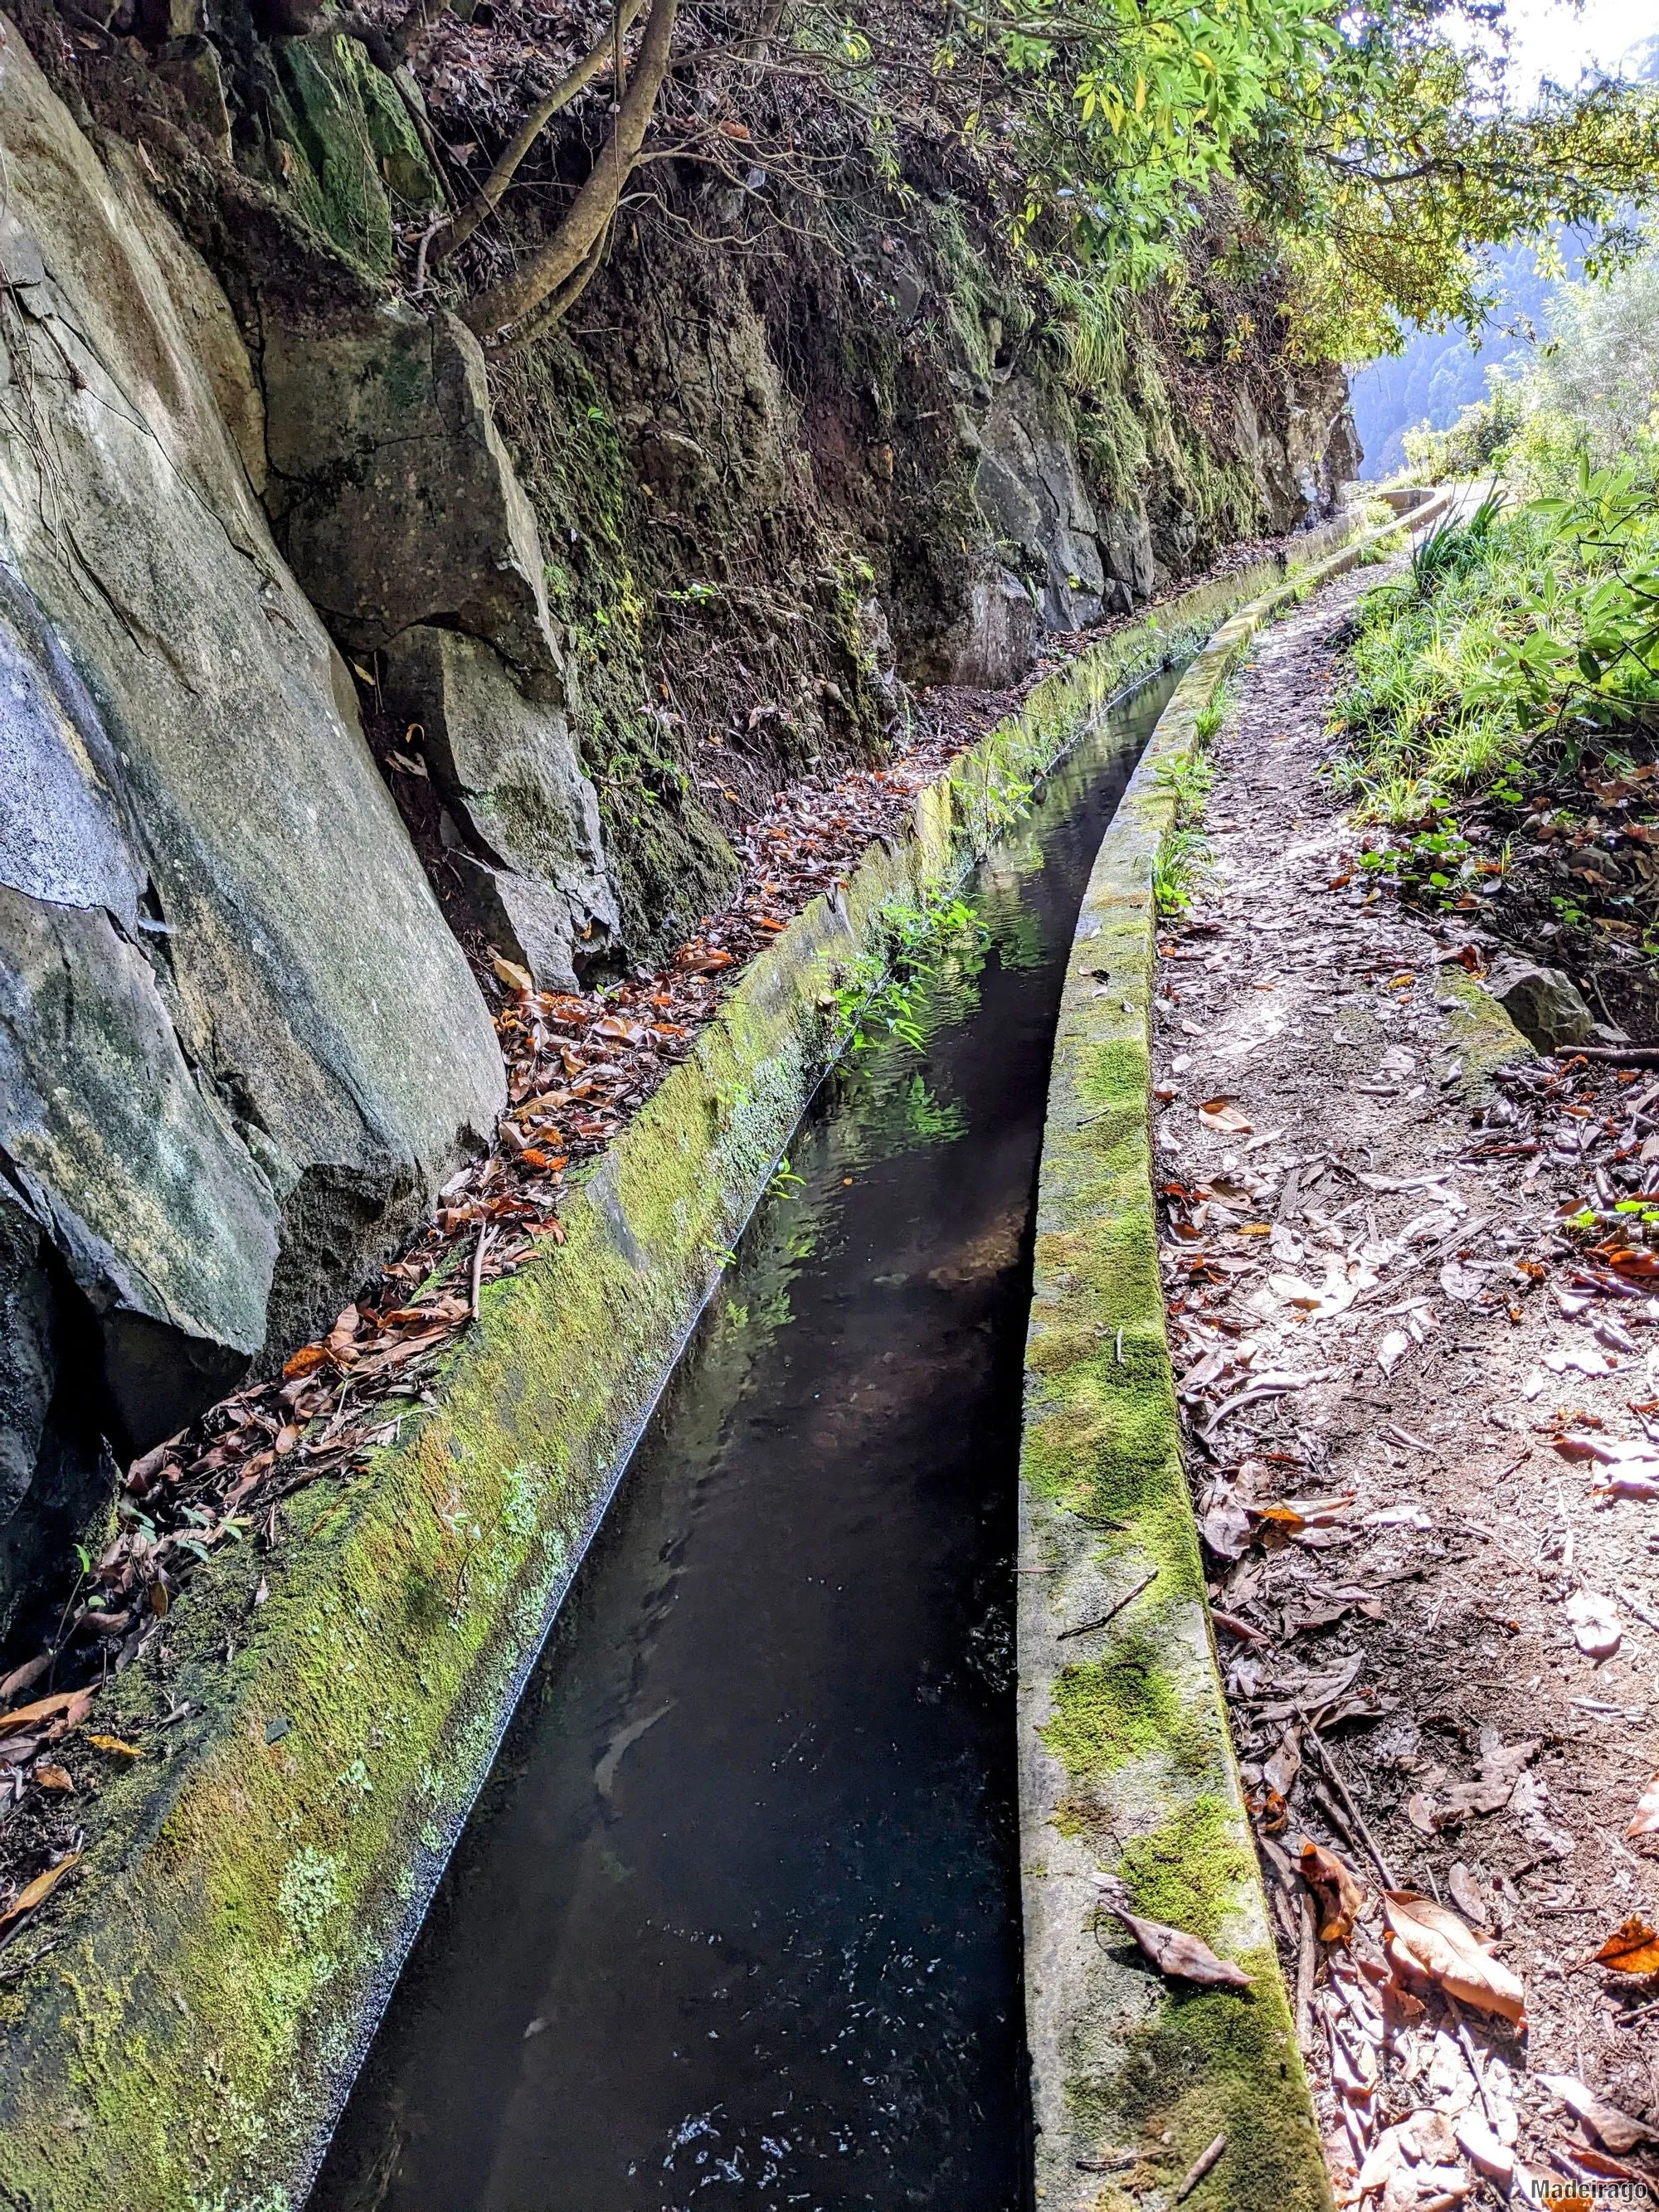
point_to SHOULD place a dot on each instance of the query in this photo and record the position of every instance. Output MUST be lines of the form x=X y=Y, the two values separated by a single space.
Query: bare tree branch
x=547 y=272
x=554 y=310
x=489 y=195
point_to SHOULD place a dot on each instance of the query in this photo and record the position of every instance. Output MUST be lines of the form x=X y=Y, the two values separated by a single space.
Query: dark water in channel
x=737 y=1919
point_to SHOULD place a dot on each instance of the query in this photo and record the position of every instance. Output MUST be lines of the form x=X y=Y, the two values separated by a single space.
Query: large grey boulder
x=508 y=766
x=390 y=491
x=238 y=1045
x=1543 y=1003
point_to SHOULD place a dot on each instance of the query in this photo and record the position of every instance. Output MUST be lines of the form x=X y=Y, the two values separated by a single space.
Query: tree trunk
x=557 y=262
x=489 y=194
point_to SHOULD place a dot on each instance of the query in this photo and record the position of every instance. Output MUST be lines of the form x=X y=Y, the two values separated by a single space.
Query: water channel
x=737 y=1918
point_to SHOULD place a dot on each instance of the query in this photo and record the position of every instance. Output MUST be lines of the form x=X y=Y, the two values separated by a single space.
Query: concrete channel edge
x=1126 y=1763
x=203 y=1990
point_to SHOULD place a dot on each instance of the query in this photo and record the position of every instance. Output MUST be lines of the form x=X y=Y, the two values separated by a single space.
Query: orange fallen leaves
x=1220 y=1114
x=1337 y=1892
x=39 y=1890
x=61 y=1702
x=1633 y=1948
x=115 y=1745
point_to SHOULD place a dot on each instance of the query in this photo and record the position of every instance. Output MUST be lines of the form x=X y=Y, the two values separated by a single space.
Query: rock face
x=238 y=1044
x=1081 y=561
x=395 y=500
x=509 y=769
x=995 y=641
x=1030 y=486
x=390 y=491
x=1543 y=1003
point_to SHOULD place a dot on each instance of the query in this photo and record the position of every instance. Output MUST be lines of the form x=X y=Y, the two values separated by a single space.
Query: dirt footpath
x=1417 y=1348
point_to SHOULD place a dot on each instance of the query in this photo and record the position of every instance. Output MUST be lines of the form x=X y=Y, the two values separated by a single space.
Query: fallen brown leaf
x=1441 y=1945
x=1618 y=2130
x=1466 y=1895
x=1485 y=2151
x=43 y=1709
x=1633 y=1948
x=1173 y=1952
x=25 y=1677
x=113 y=1743
x=1221 y=1114
x=509 y=972
x=39 y=1890
x=1338 y=1894
x=1279 y=1772
x=54 y=1778
x=1596 y=2162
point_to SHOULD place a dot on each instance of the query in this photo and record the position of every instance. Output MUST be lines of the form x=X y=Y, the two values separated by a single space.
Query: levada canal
x=737 y=1918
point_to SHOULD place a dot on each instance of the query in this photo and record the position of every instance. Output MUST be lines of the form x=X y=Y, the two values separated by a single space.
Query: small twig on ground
x=1084 y=1627
x=1357 y=1819
x=1200 y=2167
x=1470 y=2053
x=1619 y=1055
x=478 y=1251
x=1307 y=1958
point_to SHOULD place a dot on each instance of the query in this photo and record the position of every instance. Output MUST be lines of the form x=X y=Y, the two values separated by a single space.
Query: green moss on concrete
x=1126 y=1705
x=1213 y=2062
x=1189 y=1873
x=251 y=1885
x=1132 y=1739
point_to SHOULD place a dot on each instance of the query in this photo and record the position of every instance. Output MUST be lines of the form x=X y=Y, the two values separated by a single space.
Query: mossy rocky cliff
x=341 y=655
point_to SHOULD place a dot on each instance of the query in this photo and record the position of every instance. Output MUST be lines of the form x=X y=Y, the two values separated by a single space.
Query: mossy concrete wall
x=208 y=1977
x=1126 y=1763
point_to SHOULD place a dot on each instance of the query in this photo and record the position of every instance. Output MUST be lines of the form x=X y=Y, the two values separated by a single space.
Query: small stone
x=1543 y=1003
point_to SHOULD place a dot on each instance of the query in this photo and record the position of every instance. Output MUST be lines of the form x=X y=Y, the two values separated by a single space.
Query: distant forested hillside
x=1440 y=371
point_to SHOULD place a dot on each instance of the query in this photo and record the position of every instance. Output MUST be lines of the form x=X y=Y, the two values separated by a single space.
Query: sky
x=1553 y=38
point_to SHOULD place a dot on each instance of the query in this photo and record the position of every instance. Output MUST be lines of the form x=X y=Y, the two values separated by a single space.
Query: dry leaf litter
x=1417 y=1346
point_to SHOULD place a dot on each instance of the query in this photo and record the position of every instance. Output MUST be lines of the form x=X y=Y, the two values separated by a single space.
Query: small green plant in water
x=880 y=993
